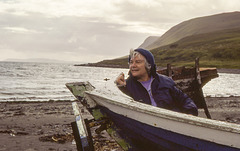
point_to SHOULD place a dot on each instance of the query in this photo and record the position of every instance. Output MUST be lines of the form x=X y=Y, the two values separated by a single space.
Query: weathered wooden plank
x=81 y=133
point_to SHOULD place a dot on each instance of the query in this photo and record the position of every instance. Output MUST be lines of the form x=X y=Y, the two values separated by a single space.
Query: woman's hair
x=133 y=54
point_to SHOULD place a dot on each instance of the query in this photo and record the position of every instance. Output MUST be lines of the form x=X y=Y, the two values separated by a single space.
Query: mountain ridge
x=198 y=26
x=149 y=40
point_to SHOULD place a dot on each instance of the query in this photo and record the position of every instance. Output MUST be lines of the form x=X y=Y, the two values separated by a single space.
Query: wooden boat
x=150 y=127
x=145 y=127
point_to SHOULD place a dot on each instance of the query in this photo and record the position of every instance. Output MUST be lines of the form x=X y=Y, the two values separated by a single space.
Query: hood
x=150 y=59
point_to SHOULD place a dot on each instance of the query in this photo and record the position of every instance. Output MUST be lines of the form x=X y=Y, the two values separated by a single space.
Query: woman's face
x=138 y=69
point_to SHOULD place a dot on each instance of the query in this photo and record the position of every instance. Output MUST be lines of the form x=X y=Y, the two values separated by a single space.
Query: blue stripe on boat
x=138 y=135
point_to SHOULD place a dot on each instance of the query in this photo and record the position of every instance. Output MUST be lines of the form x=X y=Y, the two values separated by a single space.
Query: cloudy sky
x=92 y=30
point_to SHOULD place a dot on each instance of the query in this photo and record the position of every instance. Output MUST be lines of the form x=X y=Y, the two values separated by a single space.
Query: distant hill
x=215 y=39
x=148 y=41
x=198 y=26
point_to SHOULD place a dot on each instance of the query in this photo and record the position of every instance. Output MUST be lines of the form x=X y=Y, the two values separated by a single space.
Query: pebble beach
x=38 y=126
x=43 y=126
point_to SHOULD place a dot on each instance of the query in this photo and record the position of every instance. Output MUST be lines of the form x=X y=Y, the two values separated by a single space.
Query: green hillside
x=219 y=49
x=115 y=63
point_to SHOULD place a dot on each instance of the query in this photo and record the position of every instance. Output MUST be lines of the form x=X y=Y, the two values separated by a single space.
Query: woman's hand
x=120 y=81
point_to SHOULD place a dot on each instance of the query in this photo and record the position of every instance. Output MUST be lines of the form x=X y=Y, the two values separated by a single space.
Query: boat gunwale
x=171 y=115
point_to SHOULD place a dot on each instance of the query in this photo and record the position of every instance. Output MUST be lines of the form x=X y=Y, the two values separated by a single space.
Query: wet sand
x=38 y=126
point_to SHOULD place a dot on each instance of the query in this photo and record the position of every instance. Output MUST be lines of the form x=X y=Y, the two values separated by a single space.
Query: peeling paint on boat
x=202 y=128
x=198 y=128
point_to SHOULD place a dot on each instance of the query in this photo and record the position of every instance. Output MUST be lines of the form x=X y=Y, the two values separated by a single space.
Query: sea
x=25 y=81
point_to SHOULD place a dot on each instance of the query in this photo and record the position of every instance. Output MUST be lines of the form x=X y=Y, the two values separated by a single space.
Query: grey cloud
x=165 y=14
x=160 y=13
x=67 y=34
x=38 y=34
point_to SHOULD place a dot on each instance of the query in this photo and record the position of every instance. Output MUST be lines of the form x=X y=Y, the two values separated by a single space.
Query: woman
x=145 y=85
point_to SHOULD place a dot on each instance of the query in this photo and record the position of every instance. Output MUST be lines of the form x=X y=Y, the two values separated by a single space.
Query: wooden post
x=169 y=70
x=199 y=88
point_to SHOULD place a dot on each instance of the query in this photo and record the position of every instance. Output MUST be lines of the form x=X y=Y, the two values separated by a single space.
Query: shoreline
x=232 y=71
x=67 y=101
x=46 y=125
x=70 y=101
x=220 y=70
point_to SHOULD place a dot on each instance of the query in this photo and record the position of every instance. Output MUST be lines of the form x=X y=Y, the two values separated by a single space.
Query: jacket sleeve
x=185 y=103
x=124 y=90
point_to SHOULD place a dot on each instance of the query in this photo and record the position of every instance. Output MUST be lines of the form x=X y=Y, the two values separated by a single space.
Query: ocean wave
x=38 y=98
x=21 y=68
x=14 y=93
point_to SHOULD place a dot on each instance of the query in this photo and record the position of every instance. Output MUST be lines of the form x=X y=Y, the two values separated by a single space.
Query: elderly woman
x=145 y=85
